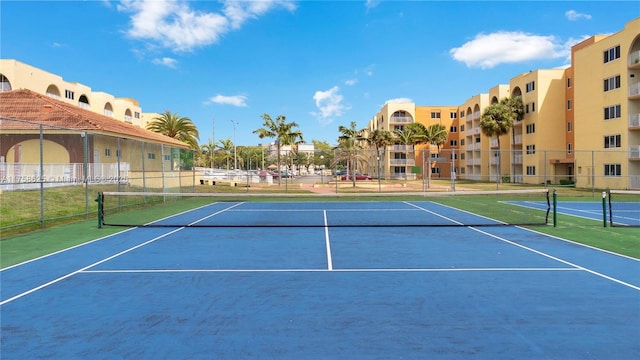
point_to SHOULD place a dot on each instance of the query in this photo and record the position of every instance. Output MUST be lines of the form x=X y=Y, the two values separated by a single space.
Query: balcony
x=400 y=120
x=634 y=89
x=493 y=143
x=634 y=121
x=634 y=60
x=401 y=148
x=407 y=162
x=634 y=152
x=517 y=140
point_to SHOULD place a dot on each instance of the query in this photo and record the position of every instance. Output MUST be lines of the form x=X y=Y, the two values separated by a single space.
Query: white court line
x=87 y=267
x=328 y=244
x=105 y=259
x=434 y=213
x=322 y=270
x=557 y=259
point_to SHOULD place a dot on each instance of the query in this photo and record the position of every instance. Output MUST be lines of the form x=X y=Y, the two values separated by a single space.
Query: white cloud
x=399 y=100
x=175 y=25
x=165 y=61
x=573 y=15
x=330 y=105
x=370 y=4
x=351 y=82
x=489 y=50
x=237 y=100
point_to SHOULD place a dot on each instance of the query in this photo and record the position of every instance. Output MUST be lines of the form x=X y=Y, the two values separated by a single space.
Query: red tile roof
x=36 y=108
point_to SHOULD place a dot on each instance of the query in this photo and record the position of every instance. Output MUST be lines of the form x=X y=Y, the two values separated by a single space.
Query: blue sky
x=321 y=64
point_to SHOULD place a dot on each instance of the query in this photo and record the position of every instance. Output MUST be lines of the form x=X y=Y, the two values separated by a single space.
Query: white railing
x=402 y=148
x=477 y=146
x=634 y=58
x=517 y=139
x=517 y=159
x=634 y=182
x=634 y=120
x=634 y=89
x=402 y=162
x=634 y=152
x=400 y=120
x=493 y=143
x=476 y=115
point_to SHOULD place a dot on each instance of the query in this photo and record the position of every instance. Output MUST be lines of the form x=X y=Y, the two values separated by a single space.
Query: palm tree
x=437 y=134
x=226 y=145
x=206 y=153
x=350 y=140
x=174 y=126
x=380 y=139
x=281 y=130
x=497 y=119
x=409 y=135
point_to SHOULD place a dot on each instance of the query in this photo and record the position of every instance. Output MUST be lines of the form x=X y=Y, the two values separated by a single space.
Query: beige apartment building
x=581 y=124
x=16 y=75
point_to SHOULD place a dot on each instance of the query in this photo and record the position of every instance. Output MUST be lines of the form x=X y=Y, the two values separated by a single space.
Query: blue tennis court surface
x=323 y=292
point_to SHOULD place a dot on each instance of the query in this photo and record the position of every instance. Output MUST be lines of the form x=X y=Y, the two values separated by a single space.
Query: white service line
x=326 y=239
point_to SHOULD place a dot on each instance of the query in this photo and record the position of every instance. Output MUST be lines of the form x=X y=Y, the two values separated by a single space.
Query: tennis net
x=624 y=208
x=465 y=208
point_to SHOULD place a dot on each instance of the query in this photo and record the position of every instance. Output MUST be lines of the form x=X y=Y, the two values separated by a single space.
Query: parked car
x=358 y=177
x=284 y=174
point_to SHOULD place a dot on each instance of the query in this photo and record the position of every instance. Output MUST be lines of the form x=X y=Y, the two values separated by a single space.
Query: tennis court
x=323 y=280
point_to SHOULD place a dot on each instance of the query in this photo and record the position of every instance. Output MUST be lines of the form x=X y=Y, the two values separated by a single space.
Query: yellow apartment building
x=606 y=77
x=581 y=123
x=16 y=75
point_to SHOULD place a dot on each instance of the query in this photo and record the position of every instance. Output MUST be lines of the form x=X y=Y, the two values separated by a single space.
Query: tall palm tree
x=437 y=134
x=207 y=154
x=226 y=145
x=380 y=139
x=496 y=120
x=350 y=140
x=280 y=129
x=174 y=126
x=409 y=135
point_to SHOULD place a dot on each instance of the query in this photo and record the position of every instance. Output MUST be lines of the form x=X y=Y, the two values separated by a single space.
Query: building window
x=612 y=141
x=107 y=152
x=612 y=54
x=461 y=170
x=530 y=86
x=461 y=128
x=462 y=156
x=612 y=170
x=151 y=156
x=568 y=82
x=477 y=139
x=461 y=142
x=531 y=107
x=435 y=115
x=569 y=126
x=531 y=170
x=531 y=128
x=569 y=104
x=569 y=148
x=454 y=156
x=453 y=142
x=69 y=94
x=612 y=112
x=531 y=149
x=136 y=115
x=612 y=83
x=453 y=115
x=435 y=170
x=453 y=129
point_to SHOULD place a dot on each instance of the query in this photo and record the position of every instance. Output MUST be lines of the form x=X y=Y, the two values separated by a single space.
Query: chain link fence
x=50 y=174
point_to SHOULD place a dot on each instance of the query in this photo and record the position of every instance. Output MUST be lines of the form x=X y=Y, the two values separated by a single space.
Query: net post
x=100 y=201
x=555 y=208
x=604 y=209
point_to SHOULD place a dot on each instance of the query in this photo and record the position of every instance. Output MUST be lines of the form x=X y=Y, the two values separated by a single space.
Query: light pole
x=235 y=151
x=379 y=186
x=322 y=169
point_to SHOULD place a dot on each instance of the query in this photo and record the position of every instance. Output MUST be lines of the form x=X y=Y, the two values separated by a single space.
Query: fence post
x=604 y=209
